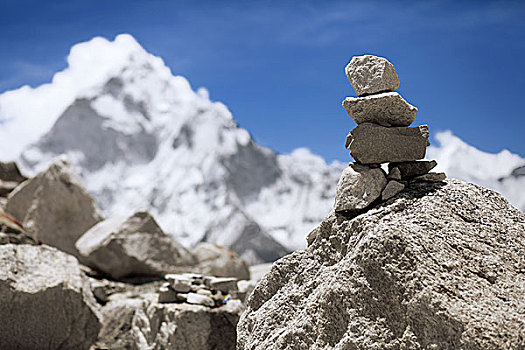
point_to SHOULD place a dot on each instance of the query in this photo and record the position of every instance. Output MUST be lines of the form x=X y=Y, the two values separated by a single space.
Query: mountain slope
x=143 y=138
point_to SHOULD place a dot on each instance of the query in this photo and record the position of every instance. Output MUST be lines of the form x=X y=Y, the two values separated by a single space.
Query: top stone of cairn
x=371 y=75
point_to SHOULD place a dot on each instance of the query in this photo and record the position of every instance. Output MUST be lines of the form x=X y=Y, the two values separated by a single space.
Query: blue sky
x=279 y=65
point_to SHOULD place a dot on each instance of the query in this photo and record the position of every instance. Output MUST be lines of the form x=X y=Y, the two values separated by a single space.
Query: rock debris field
x=72 y=279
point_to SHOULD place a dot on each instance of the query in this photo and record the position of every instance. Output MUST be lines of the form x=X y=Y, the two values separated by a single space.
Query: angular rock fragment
x=223 y=284
x=55 y=207
x=394 y=173
x=430 y=177
x=132 y=246
x=376 y=144
x=10 y=172
x=371 y=74
x=45 y=300
x=387 y=109
x=179 y=283
x=411 y=169
x=167 y=295
x=218 y=261
x=392 y=188
x=358 y=187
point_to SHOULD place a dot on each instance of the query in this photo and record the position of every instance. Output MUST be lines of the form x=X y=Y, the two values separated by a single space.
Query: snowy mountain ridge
x=143 y=138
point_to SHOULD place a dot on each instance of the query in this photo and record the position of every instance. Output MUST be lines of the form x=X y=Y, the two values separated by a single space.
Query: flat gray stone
x=371 y=74
x=394 y=174
x=179 y=283
x=372 y=143
x=198 y=299
x=392 y=188
x=386 y=109
x=430 y=177
x=224 y=284
x=416 y=168
x=358 y=187
x=167 y=295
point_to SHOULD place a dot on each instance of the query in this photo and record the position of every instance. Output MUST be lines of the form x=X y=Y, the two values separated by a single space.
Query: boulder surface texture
x=55 y=207
x=371 y=143
x=358 y=187
x=45 y=300
x=439 y=267
x=371 y=74
x=132 y=246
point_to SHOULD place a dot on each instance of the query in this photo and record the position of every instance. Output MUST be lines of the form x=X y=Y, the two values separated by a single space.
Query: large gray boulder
x=132 y=246
x=216 y=260
x=438 y=267
x=358 y=187
x=371 y=74
x=141 y=322
x=9 y=171
x=54 y=206
x=387 y=109
x=371 y=143
x=45 y=300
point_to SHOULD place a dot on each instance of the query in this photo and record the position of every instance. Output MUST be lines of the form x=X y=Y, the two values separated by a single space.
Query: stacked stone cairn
x=382 y=136
x=198 y=289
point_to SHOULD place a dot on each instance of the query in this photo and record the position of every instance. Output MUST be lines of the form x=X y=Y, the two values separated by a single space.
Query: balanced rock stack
x=382 y=135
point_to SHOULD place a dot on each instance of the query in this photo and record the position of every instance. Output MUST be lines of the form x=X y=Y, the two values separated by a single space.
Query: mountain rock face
x=143 y=138
x=439 y=266
x=45 y=300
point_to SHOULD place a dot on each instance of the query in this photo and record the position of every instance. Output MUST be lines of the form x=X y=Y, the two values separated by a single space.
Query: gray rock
x=199 y=299
x=394 y=173
x=416 y=168
x=371 y=74
x=223 y=284
x=387 y=109
x=376 y=144
x=55 y=207
x=9 y=171
x=431 y=177
x=179 y=283
x=392 y=188
x=132 y=246
x=144 y=323
x=218 y=261
x=167 y=295
x=358 y=187
x=7 y=187
x=3 y=203
x=45 y=300
x=439 y=268
x=245 y=289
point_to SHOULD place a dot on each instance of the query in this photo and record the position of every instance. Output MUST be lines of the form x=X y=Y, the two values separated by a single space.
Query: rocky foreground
x=72 y=279
x=439 y=266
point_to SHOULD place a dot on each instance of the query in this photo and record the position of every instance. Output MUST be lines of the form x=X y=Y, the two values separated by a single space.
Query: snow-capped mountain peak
x=144 y=139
